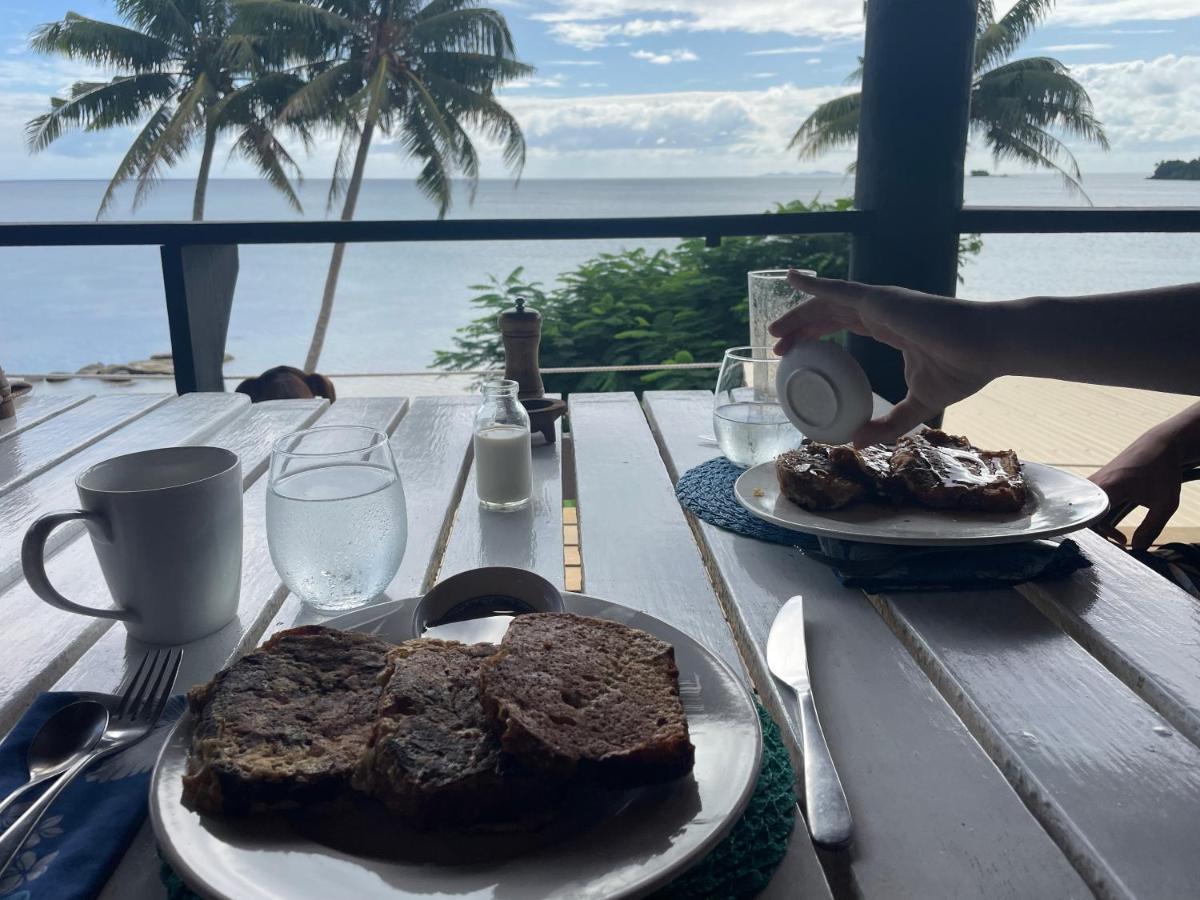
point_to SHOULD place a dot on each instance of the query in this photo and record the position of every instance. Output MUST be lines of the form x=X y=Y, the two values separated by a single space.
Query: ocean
x=65 y=307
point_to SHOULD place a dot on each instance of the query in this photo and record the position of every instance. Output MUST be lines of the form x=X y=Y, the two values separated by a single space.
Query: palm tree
x=1015 y=104
x=182 y=62
x=420 y=71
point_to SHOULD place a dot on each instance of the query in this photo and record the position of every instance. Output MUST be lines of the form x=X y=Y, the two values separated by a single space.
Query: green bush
x=686 y=304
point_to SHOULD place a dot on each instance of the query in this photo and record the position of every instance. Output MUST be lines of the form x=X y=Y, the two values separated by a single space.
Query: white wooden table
x=1031 y=743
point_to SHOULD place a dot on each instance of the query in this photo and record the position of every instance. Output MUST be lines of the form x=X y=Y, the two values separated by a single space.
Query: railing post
x=916 y=94
x=199 y=280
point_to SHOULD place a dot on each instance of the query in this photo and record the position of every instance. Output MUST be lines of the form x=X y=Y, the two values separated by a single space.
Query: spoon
x=64 y=737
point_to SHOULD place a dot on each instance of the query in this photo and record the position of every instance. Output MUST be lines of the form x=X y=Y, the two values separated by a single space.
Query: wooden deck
x=1078 y=427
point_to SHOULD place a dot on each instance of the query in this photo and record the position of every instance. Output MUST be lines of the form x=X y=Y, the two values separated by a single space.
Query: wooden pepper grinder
x=521 y=330
x=8 y=409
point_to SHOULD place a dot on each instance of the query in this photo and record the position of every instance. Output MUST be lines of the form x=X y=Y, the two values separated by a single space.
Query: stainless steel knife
x=824 y=800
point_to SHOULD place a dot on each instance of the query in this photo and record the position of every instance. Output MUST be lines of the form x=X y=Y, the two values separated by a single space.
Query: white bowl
x=824 y=391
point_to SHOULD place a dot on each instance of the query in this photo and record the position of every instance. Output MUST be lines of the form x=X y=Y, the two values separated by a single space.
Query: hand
x=1146 y=473
x=946 y=342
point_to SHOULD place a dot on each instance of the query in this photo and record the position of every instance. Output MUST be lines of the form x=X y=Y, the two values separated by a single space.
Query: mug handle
x=33 y=562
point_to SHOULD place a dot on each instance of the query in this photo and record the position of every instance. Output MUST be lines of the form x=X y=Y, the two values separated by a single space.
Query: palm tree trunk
x=339 y=250
x=206 y=158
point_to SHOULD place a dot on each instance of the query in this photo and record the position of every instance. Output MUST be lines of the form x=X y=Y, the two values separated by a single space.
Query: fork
x=132 y=716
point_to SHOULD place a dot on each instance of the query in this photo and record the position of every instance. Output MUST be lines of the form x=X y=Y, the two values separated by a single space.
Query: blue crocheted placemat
x=707 y=492
x=738 y=867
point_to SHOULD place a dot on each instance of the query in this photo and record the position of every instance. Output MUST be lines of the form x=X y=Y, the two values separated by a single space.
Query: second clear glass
x=337 y=523
x=749 y=424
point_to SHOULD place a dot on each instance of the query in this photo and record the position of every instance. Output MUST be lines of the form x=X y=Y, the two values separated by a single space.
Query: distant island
x=1177 y=170
x=980 y=173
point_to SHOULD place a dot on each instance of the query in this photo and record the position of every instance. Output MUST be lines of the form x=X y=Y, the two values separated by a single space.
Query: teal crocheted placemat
x=738 y=867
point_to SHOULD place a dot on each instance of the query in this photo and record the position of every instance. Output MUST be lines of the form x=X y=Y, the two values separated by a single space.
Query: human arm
x=952 y=348
x=1148 y=473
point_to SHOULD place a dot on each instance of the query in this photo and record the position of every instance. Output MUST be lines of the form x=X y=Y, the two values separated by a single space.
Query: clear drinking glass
x=750 y=425
x=503 y=448
x=770 y=297
x=336 y=519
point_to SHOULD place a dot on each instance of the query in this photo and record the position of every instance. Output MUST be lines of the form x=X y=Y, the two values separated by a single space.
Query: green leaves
x=680 y=305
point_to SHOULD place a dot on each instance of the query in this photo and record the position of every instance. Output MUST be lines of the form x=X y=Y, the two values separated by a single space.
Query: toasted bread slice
x=284 y=726
x=432 y=755
x=810 y=477
x=575 y=696
x=946 y=471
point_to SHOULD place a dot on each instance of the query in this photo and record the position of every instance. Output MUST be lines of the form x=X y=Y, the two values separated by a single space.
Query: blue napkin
x=707 y=492
x=83 y=836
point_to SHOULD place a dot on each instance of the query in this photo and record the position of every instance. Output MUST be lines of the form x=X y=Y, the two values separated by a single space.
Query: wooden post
x=199 y=281
x=916 y=93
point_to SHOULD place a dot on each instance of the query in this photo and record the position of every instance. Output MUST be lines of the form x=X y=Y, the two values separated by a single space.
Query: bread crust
x=586 y=698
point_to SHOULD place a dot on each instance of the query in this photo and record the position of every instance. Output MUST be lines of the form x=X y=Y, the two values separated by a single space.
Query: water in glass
x=749 y=425
x=336 y=519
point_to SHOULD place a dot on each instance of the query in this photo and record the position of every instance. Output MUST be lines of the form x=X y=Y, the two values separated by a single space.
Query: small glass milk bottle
x=503 y=449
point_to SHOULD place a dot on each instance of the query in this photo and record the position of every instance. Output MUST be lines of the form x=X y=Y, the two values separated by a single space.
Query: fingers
x=1110 y=531
x=904 y=416
x=1155 y=521
x=830 y=288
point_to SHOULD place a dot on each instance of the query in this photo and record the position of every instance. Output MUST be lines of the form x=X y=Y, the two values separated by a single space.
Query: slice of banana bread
x=432 y=755
x=284 y=726
x=577 y=696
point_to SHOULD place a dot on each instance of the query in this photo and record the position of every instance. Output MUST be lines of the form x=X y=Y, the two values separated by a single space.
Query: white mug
x=167 y=528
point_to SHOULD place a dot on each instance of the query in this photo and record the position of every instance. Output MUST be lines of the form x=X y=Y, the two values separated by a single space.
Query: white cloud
x=590 y=35
x=666 y=57
x=1139 y=31
x=1105 y=12
x=1066 y=48
x=591 y=23
x=535 y=81
x=786 y=51
x=1146 y=104
x=813 y=62
x=763 y=74
x=572 y=62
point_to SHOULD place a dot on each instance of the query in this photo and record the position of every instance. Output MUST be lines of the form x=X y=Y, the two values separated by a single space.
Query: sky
x=662 y=88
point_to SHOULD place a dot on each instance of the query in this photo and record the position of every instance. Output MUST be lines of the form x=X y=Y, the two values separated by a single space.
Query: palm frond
x=1037 y=91
x=163 y=19
x=831 y=125
x=351 y=134
x=293 y=15
x=483 y=112
x=174 y=139
x=1000 y=39
x=98 y=105
x=259 y=145
x=137 y=155
x=101 y=43
x=1037 y=147
x=324 y=97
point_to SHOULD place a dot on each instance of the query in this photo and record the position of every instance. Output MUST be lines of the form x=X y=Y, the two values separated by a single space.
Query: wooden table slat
x=933 y=816
x=30 y=452
x=37 y=408
x=529 y=538
x=184 y=420
x=41 y=642
x=1140 y=625
x=1107 y=776
x=637 y=548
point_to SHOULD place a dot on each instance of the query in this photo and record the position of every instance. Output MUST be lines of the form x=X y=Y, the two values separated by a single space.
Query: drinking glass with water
x=749 y=424
x=336 y=519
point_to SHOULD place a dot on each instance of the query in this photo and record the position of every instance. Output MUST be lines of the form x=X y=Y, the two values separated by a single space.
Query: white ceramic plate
x=641 y=840
x=1058 y=502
